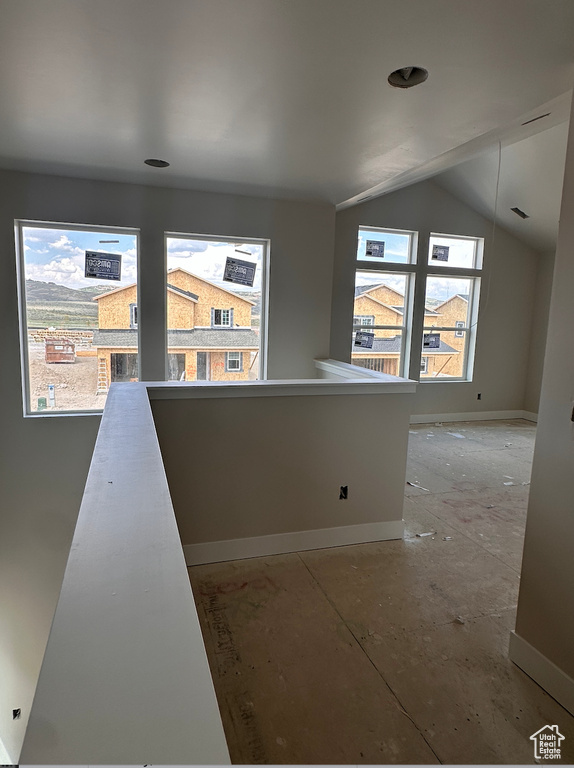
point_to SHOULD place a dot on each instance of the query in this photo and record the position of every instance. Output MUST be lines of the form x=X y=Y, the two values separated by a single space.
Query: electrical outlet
x=344 y=492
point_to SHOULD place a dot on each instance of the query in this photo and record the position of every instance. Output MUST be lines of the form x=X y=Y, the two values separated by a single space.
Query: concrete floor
x=393 y=652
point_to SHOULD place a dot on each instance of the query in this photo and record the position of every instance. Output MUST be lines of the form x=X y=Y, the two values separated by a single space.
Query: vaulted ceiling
x=287 y=98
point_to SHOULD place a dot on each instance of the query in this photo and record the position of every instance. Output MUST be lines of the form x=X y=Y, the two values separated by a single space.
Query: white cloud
x=65 y=271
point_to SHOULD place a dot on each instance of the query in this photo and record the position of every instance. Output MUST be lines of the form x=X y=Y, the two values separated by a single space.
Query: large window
x=216 y=325
x=451 y=307
x=78 y=332
x=444 y=283
x=383 y=300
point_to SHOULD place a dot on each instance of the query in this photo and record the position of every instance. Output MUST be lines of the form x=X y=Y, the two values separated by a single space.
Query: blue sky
x=206 y=258
x=58 y=256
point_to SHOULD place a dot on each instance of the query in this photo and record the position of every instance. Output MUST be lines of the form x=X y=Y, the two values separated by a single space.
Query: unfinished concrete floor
x=393 y=652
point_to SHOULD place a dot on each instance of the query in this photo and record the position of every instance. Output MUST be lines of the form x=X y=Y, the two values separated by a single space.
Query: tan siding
x=383 y=315
x=210 y=296
x=180 y=312
x=114 y=309
x=388 y=296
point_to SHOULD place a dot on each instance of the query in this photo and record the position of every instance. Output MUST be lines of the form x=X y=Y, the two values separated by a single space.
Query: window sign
x=431 y=340
x=238 y=271
x=103 y=266
x=440 y=252
x=375 y=249
x=364 y=339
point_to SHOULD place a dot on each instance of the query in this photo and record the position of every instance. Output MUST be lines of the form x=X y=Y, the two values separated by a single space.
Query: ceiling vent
x=520 y=213
x=534 y=119
x=156 y=163
x=407 y=77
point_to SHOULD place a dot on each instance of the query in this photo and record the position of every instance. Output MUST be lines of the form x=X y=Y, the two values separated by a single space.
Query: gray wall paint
x=507 y=299
x=44 y=462
x=546 y=601
x=268 y=465
x=543 y=292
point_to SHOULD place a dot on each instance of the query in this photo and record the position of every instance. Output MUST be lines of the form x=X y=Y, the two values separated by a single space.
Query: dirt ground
x=75 y=383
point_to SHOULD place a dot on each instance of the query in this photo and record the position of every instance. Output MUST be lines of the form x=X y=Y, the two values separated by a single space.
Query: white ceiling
x=278 y=97
x=530 y=178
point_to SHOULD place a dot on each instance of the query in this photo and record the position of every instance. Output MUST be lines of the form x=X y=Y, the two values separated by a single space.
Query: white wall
x=261 y=466
x=44 y=461
x=502 y=363
x=544 y=277
x=545 y=618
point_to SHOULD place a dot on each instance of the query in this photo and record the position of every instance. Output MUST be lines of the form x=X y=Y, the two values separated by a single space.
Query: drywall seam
x=429 y=418
x=543 y=671
x=294 y=541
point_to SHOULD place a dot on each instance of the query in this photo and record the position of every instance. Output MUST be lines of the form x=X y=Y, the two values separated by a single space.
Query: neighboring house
x=383 y=305
x=453 y=312
x=209 y=332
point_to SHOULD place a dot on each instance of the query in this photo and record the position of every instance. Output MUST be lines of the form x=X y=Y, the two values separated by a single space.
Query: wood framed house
x=382 y=305
x=210 y=337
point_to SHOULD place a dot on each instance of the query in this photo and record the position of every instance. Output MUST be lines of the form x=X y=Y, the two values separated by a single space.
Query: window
x=447 y=279
x=77 y=285
x=364 y=320
x=218 y=327
x=453 y=273
x=133 y=315
x=233 y=361
x=222 y=317
x=383 y=299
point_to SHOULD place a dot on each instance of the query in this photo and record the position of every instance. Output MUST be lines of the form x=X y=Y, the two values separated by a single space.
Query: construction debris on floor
x=390 y=652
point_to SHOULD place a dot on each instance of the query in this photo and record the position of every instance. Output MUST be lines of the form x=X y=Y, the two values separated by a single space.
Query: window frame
x=418 y=269
x=19 y=226
x=229 y=318
x=239 y=360
x=408 y=270
x=359 y=320
x=133 y=316
x=459 y=324
x=265 y=244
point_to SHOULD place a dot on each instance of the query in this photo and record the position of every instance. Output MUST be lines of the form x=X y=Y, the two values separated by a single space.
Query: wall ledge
x=543 y=671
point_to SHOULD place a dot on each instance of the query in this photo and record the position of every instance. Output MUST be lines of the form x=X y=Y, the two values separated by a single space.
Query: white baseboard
x=296 y=541
x=543 y=671
x=529 y=416
x=430 y=418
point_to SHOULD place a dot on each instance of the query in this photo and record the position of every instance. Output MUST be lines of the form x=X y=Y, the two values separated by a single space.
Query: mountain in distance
x=97 y=290
x=39 y=292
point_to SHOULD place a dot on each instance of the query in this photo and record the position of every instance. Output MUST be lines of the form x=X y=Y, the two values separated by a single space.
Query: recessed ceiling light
x=520 y=213
x=407 y=77
x=156 y=163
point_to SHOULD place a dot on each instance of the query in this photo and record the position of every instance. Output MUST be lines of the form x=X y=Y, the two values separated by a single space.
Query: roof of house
x=209 y=282
x=172 y=287
x=187 y=294
x=196 y=338
x=359 y=293
x=360 y=289
x=463 y=296
x=392 y=346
